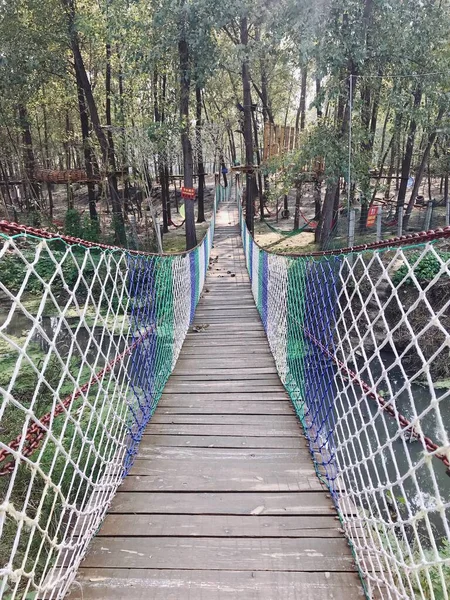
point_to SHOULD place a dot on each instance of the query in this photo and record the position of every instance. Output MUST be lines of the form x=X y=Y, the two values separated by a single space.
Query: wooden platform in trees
x=222 y=501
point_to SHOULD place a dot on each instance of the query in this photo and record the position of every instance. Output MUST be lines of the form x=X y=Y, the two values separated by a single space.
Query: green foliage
x=425 y=268
x=72 y=223
x=91 y=229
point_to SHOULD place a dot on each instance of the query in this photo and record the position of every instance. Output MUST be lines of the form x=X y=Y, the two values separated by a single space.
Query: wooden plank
x=147 y=450
x=186 y=406
x=240 y=352
x=211 y=441
x=169 y=584
x=212 y=476
x=216 y=343
x=194 y=387
x=233 y=430
x=184 y=373
x=227 y=335
x=289 y=421
x=245 y=554
x=222 y=503
x=219 y=526
x=227 y=363
x=226 y=397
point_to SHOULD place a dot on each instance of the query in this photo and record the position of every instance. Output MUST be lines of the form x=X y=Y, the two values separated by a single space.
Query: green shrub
x=425 y=268
x=90 y=229
x=72 y=223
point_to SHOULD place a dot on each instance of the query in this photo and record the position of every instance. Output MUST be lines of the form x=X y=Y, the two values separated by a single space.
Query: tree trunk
x=28 y=157
x=185 y=84
x=258 y=162
x=232 y=143
x=381 y=169
x=47 y=161
x=446 y=189
x=301 y=112
x=119 y=227
x=318 y=105
x=317 y=195
x=374 y=115
x=263 y=93
x=325 y=223
x=223 y=169
x=248 y=137
x=161 y=158
x=421 y=170
x=200 y=165
x=124 y=161
x=407 y=157
x=298 y=198
x=69 y=187
x=110 y=141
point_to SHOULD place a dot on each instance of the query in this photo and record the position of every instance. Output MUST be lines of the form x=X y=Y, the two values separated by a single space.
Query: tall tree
x=107 y=152
x=188 y=159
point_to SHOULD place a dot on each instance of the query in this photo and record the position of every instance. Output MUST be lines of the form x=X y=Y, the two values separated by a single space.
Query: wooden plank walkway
x=222 y=501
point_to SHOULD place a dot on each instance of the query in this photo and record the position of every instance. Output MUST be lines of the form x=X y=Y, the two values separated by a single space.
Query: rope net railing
x=361 y=340
x=88 y=338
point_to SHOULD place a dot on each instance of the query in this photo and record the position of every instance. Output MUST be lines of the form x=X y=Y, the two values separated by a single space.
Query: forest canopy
x=103 y=104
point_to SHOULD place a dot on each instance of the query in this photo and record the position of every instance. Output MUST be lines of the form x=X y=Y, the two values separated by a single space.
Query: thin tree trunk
x=232 y=144
x=301 y=111
x=298 y=198
x=446 y=189
x=383 y=160
x=28 y=156
x=258 y=162
x=8 y=191
x=200 y=165
x=185 y=84
x=248 y=137
x=69 y=187
x=325 y=223
x=421 y=169
x=110 y=139
x=119 y=227
x=318 y=105
x=317 y=195
x=161 y=159
x=123 y=153
x=47 y=161
x=407 y=157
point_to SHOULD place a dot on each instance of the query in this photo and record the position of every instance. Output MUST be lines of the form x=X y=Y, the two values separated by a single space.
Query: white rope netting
x=88 y=337
x=362 y=343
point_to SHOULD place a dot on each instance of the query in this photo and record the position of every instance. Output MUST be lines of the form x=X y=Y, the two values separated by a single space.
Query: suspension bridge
x=227 y=422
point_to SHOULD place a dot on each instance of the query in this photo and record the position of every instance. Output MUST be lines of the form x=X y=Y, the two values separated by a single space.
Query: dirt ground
x=302 y=242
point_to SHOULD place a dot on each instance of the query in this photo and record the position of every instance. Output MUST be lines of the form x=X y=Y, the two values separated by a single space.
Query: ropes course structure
x=361 y=341
x=89 y=336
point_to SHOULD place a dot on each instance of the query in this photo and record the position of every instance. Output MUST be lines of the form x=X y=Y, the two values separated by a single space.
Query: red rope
x=175 y=225
x=384 y=404
x=405 y=240
x=12 y=229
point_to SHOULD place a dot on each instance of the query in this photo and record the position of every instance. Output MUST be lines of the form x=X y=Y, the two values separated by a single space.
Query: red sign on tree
x=372 y=216
x=188 y=193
